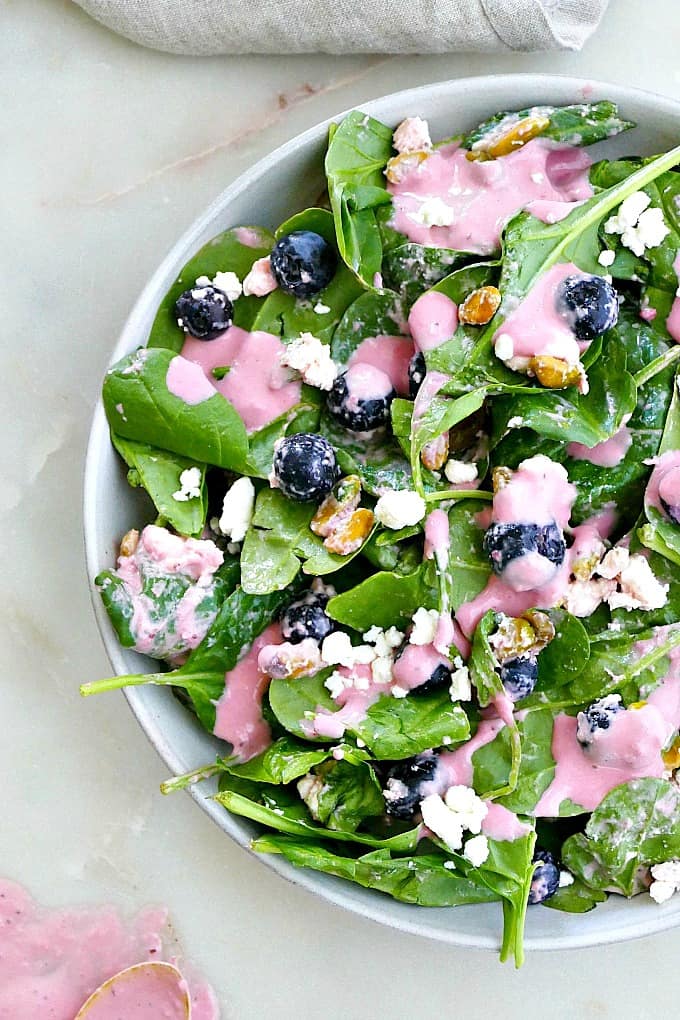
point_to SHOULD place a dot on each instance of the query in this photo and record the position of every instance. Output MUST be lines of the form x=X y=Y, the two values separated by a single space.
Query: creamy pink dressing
x=664 y=482
x=146 y=991
x=673 y=320
x=433 y=320
x=416 y=664
x=52 y=960
x=255 y=384
x=354 y=704
x=430 y=387
x=536 y=326
x=437 y=536
x=648 y=314
x=366 y=382
x=186 y=380
x=606 y=454
x=238 y=713
x=482 y=196
x=502 y=824
x=251 y=237
x=390 y=354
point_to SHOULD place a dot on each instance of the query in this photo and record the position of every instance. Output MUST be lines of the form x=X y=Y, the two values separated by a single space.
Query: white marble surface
x=109 y=151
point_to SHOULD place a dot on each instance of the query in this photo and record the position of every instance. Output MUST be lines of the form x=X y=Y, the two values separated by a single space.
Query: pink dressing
x=502 y=824
x=365 y=382
x=433 y=320
x=146 y=991
x=664 y=482
x=483 y=195
x=536 y=326
x=186 y=380
x=416 y=664
x=254 y=384
x=673 y=320
x=648 y=314
x=52 y=960
x=430 y=387
x=251 y=237
x=389 y=354
x=437 y=537
x=606 y=454
x=353 y=702
x=238 y=713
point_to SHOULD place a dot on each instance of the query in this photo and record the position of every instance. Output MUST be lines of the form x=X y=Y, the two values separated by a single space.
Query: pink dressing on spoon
x=389 y=354
x=483 y=195
x=238 y=713
x=255 y=383
x=52 y=960
x=606 y=454
x=673 y=320
x=433 y=320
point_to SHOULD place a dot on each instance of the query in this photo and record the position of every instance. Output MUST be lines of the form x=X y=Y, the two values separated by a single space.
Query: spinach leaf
x=576 y=898
x=139 y=406
x=378 y=460
x=384 y=599
x=283 y=761
x=225 y=253
x=567 y=654
x=358 y=151
x=349 y=793
x=285 y=315
x=492 y=763
x=410 y=269
x=279 y=542
x=158 y=472
x=376 y=313
x=508 y=871
x=577 y=124
x=660 y=534
x=636 y=825
x=304 y=417
x=469 y=565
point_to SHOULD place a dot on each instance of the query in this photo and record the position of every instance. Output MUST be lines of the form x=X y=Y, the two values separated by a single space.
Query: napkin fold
x=207 y=27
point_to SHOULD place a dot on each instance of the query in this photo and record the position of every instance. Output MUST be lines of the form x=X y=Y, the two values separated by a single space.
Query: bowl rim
x=340 y=895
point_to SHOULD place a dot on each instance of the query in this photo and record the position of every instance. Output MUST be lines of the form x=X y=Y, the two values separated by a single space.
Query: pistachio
x=480 y=306
x=522 y=635
x=517 y=136
x=338 y=504
x=399 y=166
x=351 y=532
x=435 y=453
x=128 y=543
x=554 y=373
x=500 y=476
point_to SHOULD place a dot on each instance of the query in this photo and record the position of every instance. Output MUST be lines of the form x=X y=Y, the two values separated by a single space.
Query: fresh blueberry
x=305 y=467
x=405 y=780
x=589 y=304
x=506 y=542
x=416 y=373
x=597 y=716
x=546 y=880
x=307 y=618
x=361 y=398
x=303 y=263
x=204 y=312
x=519 y=676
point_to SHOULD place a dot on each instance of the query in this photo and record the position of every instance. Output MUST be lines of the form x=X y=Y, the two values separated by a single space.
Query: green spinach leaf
x=577 y=124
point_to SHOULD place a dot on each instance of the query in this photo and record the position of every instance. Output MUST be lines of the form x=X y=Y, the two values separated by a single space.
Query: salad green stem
x=189 y=778
x=115 y=683
x=457 y=494
x=656 y=366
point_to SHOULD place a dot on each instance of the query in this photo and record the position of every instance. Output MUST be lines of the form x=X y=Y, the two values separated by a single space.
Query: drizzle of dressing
x=606 y=454
x=673 y=320
x=416 y=664
x=354 y=704
x=390 y=354
x=238 y=713
x=145 y=991
x=483 y=196
x=664 y=482
x=433 y=320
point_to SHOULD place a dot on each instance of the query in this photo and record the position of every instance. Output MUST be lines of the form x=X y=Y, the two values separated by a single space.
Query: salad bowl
x=289 y=179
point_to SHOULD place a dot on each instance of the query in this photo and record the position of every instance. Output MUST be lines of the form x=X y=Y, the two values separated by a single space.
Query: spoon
x=145 y=991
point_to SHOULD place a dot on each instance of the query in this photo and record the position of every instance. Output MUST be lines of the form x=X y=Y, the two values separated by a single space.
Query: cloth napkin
x=205 y=27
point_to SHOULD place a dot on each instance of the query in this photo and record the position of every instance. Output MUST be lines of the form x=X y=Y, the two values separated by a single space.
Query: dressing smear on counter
x=51 y=961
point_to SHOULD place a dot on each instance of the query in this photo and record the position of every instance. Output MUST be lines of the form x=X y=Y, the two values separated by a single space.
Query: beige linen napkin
x=204 y=27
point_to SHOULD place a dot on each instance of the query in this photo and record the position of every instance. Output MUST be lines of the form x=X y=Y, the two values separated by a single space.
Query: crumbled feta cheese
x=424 y=626
x=613 y=562
x=400 y=509
x=582 y=598
x=476 y=851
x=189 y=485
x=260 y=280
x=412 y=135
x=321 y=309
x=470 y=809
x=450 y=865
x=202 y=281
x=504 y=347
x=639 y=588
x=461 y=687
x=516 y=422
x=312 y=359
x=666 y=877
x=237 y=509
x=629 y=213
x=384 y=640
x=661 y=891
x=606 y=257
x=433 y=212
x=337 y=650
x=336 y=683
x=229 y=284
x=640 y=227
x=457 y=472
x=460 y=809
x=381 y=670
x=398 y=692
x=309 y=788
x=566 y=879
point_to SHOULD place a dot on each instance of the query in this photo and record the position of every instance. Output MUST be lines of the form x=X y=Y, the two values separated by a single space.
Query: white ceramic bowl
x=285 y=181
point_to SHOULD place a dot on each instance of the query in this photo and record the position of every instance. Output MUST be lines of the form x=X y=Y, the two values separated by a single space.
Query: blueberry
x=546 y=880
x=405 y=781
x=416 y=373
x=305 y=467
x=519 y=676
x=506 y=542
x=361 y=398
x=671 y=510
x=307 y=618
x=204 y=312
x=597 y=716
x=589 y=304
x=424 y=674
x=303 y=263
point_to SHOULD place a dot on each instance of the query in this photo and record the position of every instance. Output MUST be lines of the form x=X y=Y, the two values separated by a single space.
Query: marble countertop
x=109 y=152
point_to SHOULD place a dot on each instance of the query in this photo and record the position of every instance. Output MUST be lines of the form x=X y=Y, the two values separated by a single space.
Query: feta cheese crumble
x=433 y=212
x=337 y=650
x=237 y=509
x=229 y=284
x=460 y=809
x=504 y=347
x=424 y=626
x=459 y=472
x=189 y=485
x=666 y=878
x=412 y=135
x=312 y=359
x=461 y=686
x=606 y=257
x=400 y=509
x=385 y=641
x=640 y=227
x=476 y=850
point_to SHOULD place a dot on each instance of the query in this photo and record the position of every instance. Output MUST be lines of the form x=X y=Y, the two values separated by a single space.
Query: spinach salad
x=415 y=464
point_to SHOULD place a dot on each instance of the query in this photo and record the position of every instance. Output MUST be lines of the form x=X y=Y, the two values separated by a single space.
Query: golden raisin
x=341 y=501
x=517 y=136
x=399 y=166
x=350 y=533
x=435 y=453
x=128 y=542
x=554 y=373
x=480 y=306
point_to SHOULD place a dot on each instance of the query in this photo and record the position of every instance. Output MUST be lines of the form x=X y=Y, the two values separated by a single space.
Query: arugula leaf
x=636 y=825
x=224 y=253
x=358 y=151
x=384 y=599
x=158 y=472
x=139 y=406
x=577 y=124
